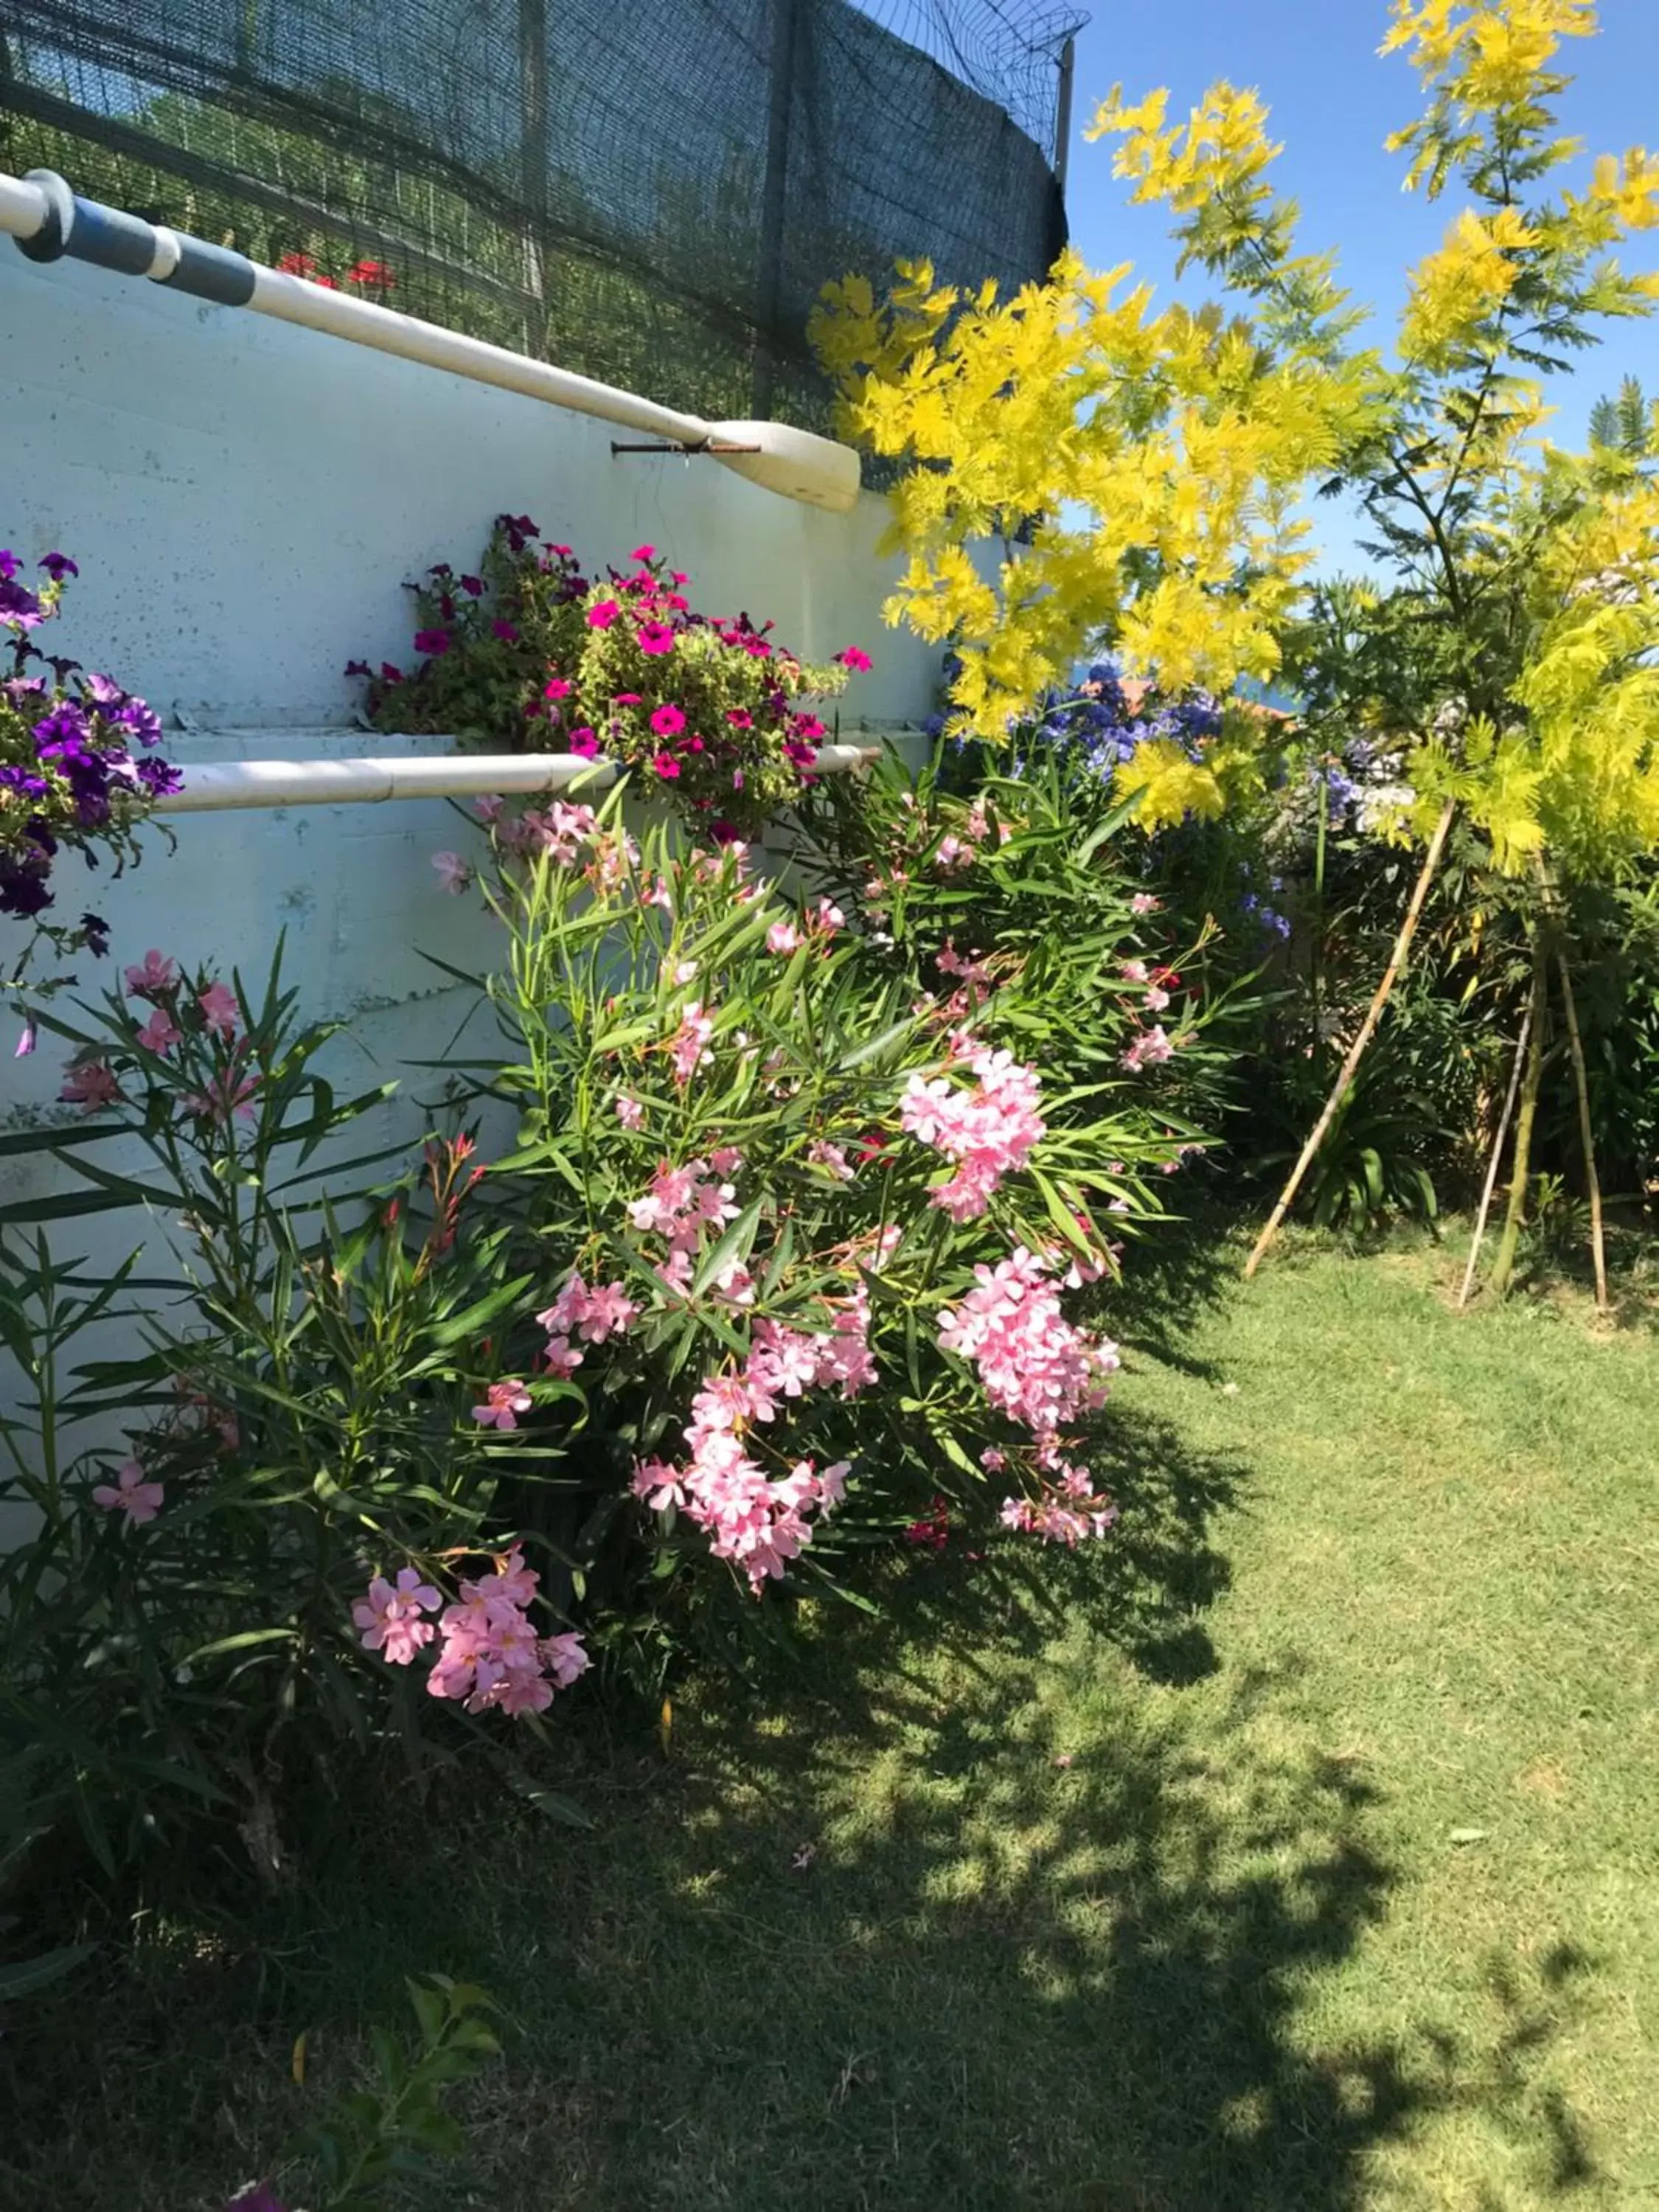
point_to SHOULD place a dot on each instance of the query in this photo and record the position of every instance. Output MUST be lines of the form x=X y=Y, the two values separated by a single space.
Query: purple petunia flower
x=433 y=641
x=94 y=933
x=144 y=722
x=58 y=566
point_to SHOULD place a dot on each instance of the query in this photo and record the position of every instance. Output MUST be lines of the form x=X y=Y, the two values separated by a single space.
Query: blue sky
x=1333 y=102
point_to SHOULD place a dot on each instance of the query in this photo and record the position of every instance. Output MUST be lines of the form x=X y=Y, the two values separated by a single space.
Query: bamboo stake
x=1531 y=1089
x=1496 y=1161
x=1581 y=1079
x=1356 y=1049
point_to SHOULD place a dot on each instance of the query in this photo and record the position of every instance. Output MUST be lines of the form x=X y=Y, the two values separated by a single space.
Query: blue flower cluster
x=68 y=770
x=1097 y=724
x=1101 y=720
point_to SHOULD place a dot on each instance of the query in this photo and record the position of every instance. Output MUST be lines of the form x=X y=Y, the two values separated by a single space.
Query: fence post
x=532 y=165
x=768 y=275
x=1063 y=112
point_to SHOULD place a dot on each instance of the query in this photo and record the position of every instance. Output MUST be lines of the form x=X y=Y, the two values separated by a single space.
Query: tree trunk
x=1581 y=1079
x=1503 y=1265
x=1493 y=1165
x=1356 y=1049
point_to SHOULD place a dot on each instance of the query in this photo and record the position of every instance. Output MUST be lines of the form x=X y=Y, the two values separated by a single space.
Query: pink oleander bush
x=280 y=1529
x=534 y=654
x=1025 y=904
x=805 y=1237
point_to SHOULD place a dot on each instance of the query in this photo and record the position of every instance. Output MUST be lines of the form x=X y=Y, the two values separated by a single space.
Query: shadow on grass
x=966 y=1916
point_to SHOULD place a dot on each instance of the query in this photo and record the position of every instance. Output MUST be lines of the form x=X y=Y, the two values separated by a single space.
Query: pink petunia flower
x=130 y=1494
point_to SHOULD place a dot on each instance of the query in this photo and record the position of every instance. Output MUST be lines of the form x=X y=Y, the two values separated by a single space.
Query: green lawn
x=1297 y=1850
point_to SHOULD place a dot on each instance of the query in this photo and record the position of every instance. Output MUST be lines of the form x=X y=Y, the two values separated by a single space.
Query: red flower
x=372 y=273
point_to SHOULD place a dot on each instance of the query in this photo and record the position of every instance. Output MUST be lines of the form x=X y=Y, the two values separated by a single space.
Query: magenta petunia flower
x=666 y=766
x=601 y=615
x=667 y=721
x=643 y=554
x=557 y=687
x=433 y=641
x=853 y=656
x=656 y=637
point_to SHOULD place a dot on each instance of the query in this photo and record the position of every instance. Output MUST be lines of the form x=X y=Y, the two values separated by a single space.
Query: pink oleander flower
x=1134 y=971
x=561 y=831
x=88 y=1082
x=561 y=1357
x=658 y=1484
x=989 y=1132
x=630 y=1113
x=683 y=972
x=823 y=1154
x=968 y=970
x=828 y=918
x=726 y=1159
x=669 y=1195
x=1157 y=998
x=595 y=1315
x=953 y=855
x=1033 y=1364
x=564 y=1658
x=655 y=638
x=853 y=656
x=783 y=937
x=503 y=1402
x=992 y=1459
x=161 y=1032
x=1144 y=902
x=488 y=807
x=690 y=1047
x=454 y=873
x=226 y=1093
x=1151 y=1049
x=390 y=1618
x=156 y=975
x=602 y=614
x=491 y=1656
x=130 y=1493
x=218 y=1005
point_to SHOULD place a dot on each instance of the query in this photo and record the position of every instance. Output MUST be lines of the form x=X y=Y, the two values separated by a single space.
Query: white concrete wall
x=244 y=499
